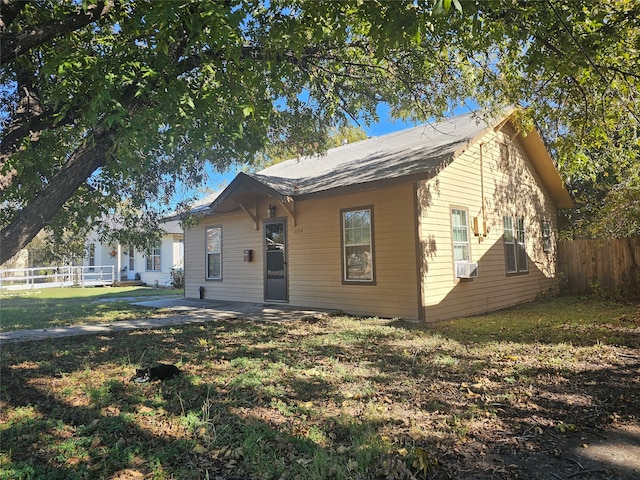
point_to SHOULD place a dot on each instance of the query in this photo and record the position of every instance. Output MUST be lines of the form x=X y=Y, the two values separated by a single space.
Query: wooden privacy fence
x=609 y=266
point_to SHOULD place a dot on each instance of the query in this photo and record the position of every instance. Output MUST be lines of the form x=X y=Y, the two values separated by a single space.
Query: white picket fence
x=48 y=277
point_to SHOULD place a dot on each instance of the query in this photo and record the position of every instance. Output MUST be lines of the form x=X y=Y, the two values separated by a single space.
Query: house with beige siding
x=437 y=221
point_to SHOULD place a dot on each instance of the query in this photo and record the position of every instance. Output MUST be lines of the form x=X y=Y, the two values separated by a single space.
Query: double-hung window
x=357 y=246
x=460 y=234
x=153 y=259
x=214 y=253
x=515 y=248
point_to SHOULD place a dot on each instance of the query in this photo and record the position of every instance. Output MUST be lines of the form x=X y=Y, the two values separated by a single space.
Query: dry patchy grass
x=335 y=397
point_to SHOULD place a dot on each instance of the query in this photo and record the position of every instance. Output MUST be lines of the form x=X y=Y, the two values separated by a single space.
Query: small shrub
x=177 y=278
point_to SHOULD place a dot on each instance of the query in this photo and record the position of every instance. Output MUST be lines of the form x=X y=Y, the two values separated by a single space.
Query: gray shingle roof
x=171 y=226
x=415 y=151
x=203 y=204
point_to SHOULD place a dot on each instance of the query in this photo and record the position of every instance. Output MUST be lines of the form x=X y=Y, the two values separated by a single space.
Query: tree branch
x=13 y=45
x=9 y=10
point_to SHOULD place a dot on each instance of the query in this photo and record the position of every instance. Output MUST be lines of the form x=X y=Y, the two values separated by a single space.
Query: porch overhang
x=245 y=193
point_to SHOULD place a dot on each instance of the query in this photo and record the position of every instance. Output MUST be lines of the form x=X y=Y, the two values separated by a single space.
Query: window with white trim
x=153 y=259
x=460 y=235
x=132 y=258
x=92 y=256
x=357 y=245
x=214 y=253
x=515 y=248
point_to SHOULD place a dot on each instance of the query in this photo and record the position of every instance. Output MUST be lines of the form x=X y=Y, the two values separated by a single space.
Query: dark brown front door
x=276 y=261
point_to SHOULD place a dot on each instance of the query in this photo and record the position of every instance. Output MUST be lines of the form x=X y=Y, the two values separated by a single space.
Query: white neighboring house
x=150 y=267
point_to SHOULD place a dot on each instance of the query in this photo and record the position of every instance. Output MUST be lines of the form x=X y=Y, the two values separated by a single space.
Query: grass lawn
x=57 y=307
x=329 y=398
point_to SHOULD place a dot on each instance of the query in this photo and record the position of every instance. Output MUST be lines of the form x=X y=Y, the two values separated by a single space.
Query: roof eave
x=369 y=185
x=546 y=169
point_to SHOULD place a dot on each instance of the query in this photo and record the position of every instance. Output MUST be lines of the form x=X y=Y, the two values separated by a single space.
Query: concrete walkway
x=183 y=311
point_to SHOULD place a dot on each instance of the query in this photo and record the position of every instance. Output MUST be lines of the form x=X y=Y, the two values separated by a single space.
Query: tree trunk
x=43 y=208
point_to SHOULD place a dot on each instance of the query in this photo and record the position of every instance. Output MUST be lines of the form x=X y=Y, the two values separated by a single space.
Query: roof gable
x=243 y=188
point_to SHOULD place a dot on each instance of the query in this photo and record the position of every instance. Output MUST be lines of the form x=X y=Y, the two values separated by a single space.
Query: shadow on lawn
x=96 y=429
x=104 y=441
x=332 y=404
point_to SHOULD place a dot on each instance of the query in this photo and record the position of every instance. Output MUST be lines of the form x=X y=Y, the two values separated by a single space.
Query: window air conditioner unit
x=466 y=270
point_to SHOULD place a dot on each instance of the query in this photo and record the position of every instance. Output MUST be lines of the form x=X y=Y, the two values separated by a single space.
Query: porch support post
x=254 y=217
x=119 y=263
x=289 y=205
